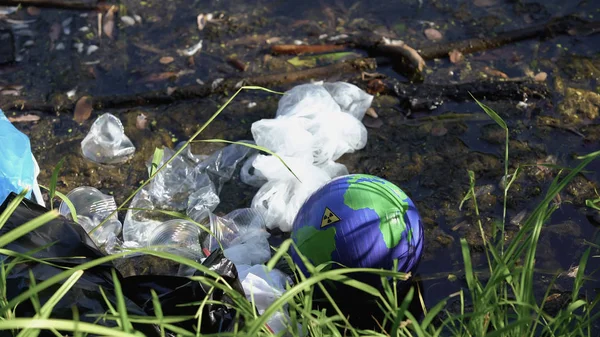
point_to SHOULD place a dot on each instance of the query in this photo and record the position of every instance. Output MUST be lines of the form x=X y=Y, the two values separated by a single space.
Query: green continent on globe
x=317 y=245
x=383 y=197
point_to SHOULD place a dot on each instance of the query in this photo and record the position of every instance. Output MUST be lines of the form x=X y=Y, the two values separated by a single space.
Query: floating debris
x=109 y=22
x=166 y=59
x=433 y=34
x=456 y=56
x=191 y=51
x=540 y=77
x=203 y=19
x=91 y=48
x=24 y=118
x=128 y=20
x=78 y=46
x=215 y=83
x=83 y=109
x=71 y=93
x=141 y=121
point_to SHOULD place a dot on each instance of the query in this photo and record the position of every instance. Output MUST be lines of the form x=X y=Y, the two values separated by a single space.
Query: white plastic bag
x=315 y=125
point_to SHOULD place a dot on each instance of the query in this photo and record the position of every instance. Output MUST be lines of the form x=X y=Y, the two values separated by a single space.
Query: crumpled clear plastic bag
x=242 y=234
x=315 y=125
x=263 y=287
x=106 y=143
x=189 y=184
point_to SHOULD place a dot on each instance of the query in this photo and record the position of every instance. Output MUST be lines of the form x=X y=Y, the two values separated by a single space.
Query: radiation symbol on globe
x=359 y=221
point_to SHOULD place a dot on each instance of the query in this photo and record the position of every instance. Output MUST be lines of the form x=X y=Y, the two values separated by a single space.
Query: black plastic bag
x=62 y=238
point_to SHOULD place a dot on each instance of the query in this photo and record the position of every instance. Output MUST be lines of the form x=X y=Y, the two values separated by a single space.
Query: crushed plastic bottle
x=188 y=184
x=92 y=207
x=315 y=125
x=18 y=167
x=106 y=143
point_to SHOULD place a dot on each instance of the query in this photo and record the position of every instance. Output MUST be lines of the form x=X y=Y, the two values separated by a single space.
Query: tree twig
x=65 y=4
x=199 y=91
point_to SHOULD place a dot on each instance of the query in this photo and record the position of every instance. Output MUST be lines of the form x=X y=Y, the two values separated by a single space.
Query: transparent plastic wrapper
x=262 y=287
x=18 y=168
x=314 y=126
x=242 y=234
x=282 y=196
x=106 y=143
x=92 y=207
x=189 y=184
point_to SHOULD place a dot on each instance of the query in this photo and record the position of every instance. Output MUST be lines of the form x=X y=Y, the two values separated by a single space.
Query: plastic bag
x=315 y=125
x=17 y=165
x=62 y=239
x=243 y=235
x=106 y=143
x=262 y=288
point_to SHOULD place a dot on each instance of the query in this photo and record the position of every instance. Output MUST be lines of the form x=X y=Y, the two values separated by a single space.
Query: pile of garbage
x=315 y=124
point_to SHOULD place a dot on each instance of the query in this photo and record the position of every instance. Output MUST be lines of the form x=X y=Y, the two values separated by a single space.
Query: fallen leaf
x=24 y=118
x=166 y=60
x=371 y=112
x=10 y=92
x=485 y=3
x=128 y=20
x=456 y=56
x=433 y=34
x=494 y=72
x=171 y=90
x=159 y=77
x=109 y=22
x=83 y=109
x=33 y=11
x=439 y=131
x=540 y=77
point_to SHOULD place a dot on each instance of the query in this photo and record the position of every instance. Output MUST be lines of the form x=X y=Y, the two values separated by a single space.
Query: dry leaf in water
x=540 y=77
x=109 y=22
x=83 y=109
x=159 y=77
x=494 y=72
x=166 y=60
x=371 y=112
x=485 y=3
x=456 y=56
x=24 y=118
x=433 y=34
x=33 y=11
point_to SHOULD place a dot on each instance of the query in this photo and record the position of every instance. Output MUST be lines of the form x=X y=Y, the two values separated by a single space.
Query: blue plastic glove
x=17 y=168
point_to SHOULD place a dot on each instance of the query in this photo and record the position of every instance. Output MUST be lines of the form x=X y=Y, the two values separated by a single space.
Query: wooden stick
x=292 y=49
x=65 y=4
x=199 y=91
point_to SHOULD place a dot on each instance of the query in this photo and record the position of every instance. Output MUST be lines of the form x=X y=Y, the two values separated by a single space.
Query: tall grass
x=503 y=303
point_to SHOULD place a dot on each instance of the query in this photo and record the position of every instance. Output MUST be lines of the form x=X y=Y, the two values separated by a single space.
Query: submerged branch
x=200 y=91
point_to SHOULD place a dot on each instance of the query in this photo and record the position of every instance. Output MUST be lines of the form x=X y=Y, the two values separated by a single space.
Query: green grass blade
x=156 y=159
x=46 y=309
x=121 y=307
x=54 y=181
x=68 y=202
x=11 y=207
x=61 y=324
x=27 y=227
